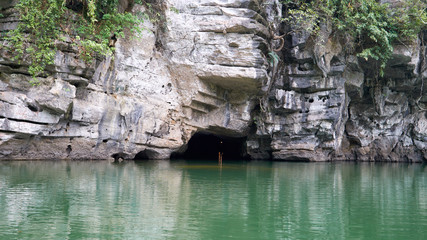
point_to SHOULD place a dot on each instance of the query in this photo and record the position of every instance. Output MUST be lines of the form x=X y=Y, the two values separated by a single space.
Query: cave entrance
x=205 y=146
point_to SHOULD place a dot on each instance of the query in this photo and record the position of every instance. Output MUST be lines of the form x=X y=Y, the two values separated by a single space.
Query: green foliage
x=33 y=37
x=43 y=22
x=373 y=27
x=174 y=9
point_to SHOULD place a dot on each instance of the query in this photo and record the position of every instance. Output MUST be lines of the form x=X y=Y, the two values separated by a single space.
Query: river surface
x=200 y=200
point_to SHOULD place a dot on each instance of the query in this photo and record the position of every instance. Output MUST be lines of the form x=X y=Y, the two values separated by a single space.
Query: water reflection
x=200 y=200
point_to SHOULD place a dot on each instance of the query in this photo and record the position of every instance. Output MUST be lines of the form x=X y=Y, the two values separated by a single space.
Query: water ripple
x=186 y=200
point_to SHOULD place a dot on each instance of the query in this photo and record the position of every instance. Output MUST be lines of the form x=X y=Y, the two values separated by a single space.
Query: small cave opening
x=206 y=146
x=145 y=154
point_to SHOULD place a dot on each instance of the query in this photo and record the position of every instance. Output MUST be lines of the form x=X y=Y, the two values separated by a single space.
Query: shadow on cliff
x=206 y=146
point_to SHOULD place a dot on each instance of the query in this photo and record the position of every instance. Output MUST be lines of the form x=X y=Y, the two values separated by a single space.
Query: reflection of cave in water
x=207 y=145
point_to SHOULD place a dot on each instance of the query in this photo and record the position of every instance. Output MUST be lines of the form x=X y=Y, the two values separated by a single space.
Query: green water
x=199 y=200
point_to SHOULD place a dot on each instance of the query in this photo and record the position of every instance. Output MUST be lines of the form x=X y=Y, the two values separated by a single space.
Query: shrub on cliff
x=371 y=27
x=91 y=25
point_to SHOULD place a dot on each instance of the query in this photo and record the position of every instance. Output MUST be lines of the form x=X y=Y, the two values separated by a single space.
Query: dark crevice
x=12 y=65
x=69 y=149
x=26 y=121
x=75 y=5
x=34 y=108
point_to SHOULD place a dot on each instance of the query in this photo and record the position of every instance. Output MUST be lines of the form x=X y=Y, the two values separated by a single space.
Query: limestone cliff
x=206 y=70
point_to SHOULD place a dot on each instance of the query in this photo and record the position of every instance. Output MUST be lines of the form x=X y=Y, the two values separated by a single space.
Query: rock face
x=326 y=105
x=206 y=70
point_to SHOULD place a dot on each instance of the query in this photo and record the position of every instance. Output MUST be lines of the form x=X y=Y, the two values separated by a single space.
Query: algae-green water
x=201 y=200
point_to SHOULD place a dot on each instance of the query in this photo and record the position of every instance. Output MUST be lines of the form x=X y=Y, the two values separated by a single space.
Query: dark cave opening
x=206 y=146
x=145 y=154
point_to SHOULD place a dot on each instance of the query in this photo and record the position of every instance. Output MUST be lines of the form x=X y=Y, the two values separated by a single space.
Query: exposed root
x=282 y=41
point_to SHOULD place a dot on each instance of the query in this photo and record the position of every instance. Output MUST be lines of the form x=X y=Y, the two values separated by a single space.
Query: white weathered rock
x=24 y=113
x=21 y=127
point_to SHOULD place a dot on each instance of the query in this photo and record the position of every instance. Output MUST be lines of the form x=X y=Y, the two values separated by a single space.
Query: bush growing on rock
x=370 y=26
x=90 y=25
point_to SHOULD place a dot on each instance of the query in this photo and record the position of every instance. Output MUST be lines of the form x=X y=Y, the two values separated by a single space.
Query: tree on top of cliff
x=370 y=26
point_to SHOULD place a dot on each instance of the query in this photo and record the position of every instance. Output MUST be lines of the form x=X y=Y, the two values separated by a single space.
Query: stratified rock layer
x=206 y=70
